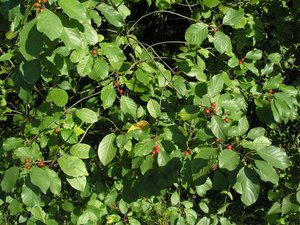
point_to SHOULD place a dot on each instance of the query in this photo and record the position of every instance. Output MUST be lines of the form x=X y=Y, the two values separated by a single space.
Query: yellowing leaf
x=141 y=125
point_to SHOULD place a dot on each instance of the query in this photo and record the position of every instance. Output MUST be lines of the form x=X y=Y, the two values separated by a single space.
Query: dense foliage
x=149 y=112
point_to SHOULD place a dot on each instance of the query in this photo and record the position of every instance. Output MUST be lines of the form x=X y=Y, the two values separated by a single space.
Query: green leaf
x=211 y=3
x=74 y=9
x=128 y=106
x=12 y=143
x=203 y=206
x=85 y=65
x=90 y=34
x=275 y=57
x=201 y=163
x=222 y=42
x=38 y=213
x=144 y=147
x=275 y=156
x=58 y=96
x=51 y=29
x=163 y=158
x=72 y=38
x=196 y=33
x=40 y=178
x=266 y=171
x=31 y=41
x=147 y=164
x=114 y=54
x=256 y=132
x=55 y=182
x=112 y=16
x=30 y=71
x=188 y=112
x=77 y=183
x=108 y=96
x=286 y=205
x=10 y=179
x=29 y=196
x=69 y=136
x=249 y=184
x=153 y=108
x=258 y=143
x=204 y=221
x=107 y=149
x=100 y=70
x=87 y=115
x=219 y=128
x=175 y=199
x=229 y=160
x=232 y=17
x=72 y=166
x=243 y=126
x=82 y=151
x=254 y=54
x=215 y=85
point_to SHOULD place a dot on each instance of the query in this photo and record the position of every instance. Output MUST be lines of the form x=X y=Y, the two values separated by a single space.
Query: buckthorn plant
x=149 y=112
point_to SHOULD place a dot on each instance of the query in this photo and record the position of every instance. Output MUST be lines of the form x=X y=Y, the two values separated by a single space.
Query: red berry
x=28 y=167
x=218 y=140
x=156 y=148
x=214 y=109
x=213 y=167
x=229 y=147
x=270 y=91
x=56 y=130
x=27 y=160
x=226 y=120
x=187 y=152
x=41 y=164
x=116 y=84
x=215 y=30
x=206 y=111
x=154 y=152
x=121 y=91
x=94 y=52
x=213 y=104
x=36 y=5
x=44 y=1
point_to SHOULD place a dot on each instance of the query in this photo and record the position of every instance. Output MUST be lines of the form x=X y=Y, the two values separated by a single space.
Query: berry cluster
x=117 y=85
x=39 y=4
x=28 y=164
x=155 y=150
x=212 y=110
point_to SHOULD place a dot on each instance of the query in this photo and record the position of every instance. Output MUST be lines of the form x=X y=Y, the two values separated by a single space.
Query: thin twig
x=87 y=129
x=161 y=11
